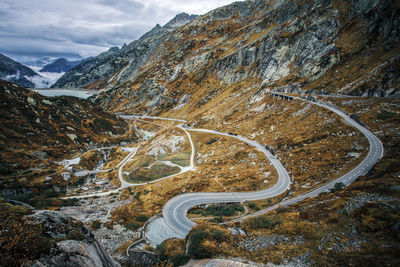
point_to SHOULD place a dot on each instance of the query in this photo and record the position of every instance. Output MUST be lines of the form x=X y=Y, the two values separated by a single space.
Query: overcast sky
x=82 y=28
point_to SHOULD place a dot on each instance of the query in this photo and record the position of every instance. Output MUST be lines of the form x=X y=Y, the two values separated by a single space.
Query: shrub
x=253 y=206
x=170 y=248
x=132 y=226
x=80 y=181
x=180 y=259
x=217 y=219
x=384 y=115
x=4 y=169
x=160 y=249
x=142 y=218
x=195 y=248
x=218 y=235
x=212 y=140
x=262 y=222
x=96 y=224
x=220 y=210
x=50 y=193
x=282 y=209
x=203 y=242
x=337 y=187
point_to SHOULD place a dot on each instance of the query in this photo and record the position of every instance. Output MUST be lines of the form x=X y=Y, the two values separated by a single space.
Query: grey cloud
x=84 y=27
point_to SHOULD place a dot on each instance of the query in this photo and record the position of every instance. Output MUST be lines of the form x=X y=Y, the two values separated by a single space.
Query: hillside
x=36 y=131
x=314 y=46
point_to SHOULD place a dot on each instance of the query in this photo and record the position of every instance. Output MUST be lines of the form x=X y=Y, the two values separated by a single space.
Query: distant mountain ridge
x=15 y=72
x=60 y=65
x=180 y=20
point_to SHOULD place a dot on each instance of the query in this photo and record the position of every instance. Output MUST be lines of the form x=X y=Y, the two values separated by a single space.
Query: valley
x=262 y=133
x=111 y=199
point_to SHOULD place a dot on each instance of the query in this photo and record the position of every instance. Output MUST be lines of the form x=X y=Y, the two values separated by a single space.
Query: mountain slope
x=95 y=72
x=314 y=46
x=60 y=65
x=36 y=131
x=13 y=71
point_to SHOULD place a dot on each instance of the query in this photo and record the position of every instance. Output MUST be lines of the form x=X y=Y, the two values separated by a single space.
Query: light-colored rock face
x=85 y=254
x=76 y=247
x=77 y=253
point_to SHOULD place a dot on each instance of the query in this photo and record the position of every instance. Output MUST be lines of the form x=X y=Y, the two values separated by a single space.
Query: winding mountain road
x=175 y=210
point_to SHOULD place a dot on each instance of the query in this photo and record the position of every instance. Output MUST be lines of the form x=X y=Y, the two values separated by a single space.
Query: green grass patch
x=219 y=210
x=157 y=171
x=387 y=115
x=178 y=158
x=145 y=161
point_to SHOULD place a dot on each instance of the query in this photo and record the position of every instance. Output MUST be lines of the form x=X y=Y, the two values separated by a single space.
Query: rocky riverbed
x=99 y=209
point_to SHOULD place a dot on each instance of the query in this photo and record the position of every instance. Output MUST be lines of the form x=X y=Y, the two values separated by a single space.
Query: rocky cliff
x=315 y=46
x=46 y=238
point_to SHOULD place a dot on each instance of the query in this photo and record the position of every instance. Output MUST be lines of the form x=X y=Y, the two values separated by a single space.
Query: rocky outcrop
x=77 y=253
x=138 y=258
x=47 y=238
x=260 y=242
x=89 y=71
x=85 y=251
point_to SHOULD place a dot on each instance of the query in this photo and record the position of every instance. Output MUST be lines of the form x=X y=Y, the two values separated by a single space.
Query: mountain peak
x=114 y=49
x=60 y=65
x=180 y=20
